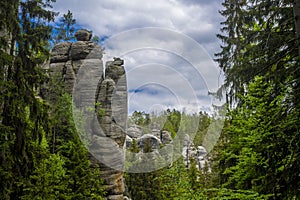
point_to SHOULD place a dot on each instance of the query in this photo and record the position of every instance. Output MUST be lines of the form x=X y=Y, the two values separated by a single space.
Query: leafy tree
x=204 y=122
x=173 y=121
x=35 y=163
x=257 y=149
x=193 y=175
x=145 y=185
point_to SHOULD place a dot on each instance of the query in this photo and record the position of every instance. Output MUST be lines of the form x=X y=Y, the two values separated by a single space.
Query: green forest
x=256 y=157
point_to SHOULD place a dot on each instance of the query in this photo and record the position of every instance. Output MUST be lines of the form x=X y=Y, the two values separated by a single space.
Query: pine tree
x=65 y=28
x=23 y=114
x=82 y=179
x=47 y=181
x=260 y=155
x=267 y=106
x=259 y=39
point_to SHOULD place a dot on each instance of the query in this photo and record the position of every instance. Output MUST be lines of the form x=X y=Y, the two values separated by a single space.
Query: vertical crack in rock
x=81 y=67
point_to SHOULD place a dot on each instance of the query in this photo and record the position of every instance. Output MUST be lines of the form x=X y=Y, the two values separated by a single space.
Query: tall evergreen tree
x=262 y=152
x=258 y=39
x=82 y=179
x=266 y=43
x=26 y=25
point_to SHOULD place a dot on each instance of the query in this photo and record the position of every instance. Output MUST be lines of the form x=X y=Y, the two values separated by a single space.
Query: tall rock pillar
x=81 y=67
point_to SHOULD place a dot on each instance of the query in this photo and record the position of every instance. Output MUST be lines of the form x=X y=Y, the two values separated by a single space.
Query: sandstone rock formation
x=81 y=66
x=83 y=35
x=156 y=136
x=154 y=141
x=199 y=154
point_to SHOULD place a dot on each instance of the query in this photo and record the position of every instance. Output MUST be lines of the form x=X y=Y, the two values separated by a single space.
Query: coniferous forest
x=256 y=157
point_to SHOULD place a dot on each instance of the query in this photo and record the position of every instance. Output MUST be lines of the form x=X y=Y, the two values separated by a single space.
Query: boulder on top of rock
x=114 y=69
x=154 y=141
x=117 y=61
x=83 y=35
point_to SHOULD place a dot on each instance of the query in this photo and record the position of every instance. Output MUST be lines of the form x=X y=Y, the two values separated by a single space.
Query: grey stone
x=76 y=65
x=83 y=35
x=115 y=197
x=156 y=133
x=135 y=131
x=114 y=72
x=56 y=69
x=128 y=141
x=69 y=77
x=166 y=137
x=84 y=49
x=60 y=52
x=117 y=61
x=79 y=64
x=154 y=141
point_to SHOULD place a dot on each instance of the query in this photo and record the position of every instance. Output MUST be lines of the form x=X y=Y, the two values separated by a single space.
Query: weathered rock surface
x=128 y=141
x=154 y=141
x=199 y=154
x=112 y=96
x=80 y=64
x=83 y=35
x=60 y=52
x=134 y=131
x=85 y=49
x=166 y=137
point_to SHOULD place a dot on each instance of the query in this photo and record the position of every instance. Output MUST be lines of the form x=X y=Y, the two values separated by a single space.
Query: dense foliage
x=41 y=156
x=259 y=149
x=178 y=181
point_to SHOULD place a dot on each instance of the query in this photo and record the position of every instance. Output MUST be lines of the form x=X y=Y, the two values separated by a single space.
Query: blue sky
x=169 y=65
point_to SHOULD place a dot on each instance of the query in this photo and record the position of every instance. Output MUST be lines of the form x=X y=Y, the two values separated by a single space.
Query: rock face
x=154 y=141
x=199 y=154
x=83 y=35
x=81 y=67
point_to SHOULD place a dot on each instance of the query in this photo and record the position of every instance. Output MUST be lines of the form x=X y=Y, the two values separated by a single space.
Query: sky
x=167 y=45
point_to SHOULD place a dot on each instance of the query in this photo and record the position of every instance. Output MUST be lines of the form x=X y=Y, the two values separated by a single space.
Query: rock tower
x=81 y=66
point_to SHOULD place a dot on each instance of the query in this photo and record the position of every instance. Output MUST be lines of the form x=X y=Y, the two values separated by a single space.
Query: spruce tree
x=265 y=45
x=23 y=115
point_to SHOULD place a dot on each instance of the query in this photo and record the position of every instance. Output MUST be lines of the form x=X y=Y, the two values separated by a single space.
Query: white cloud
x=164 y=61
x=107 y=17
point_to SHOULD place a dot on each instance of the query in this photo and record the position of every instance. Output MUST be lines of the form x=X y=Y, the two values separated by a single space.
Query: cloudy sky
x=167 y=45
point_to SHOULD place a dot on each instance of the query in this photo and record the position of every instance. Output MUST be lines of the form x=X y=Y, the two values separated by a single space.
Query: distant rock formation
x=199 y=154
x=79 y=64
x=157 y=137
